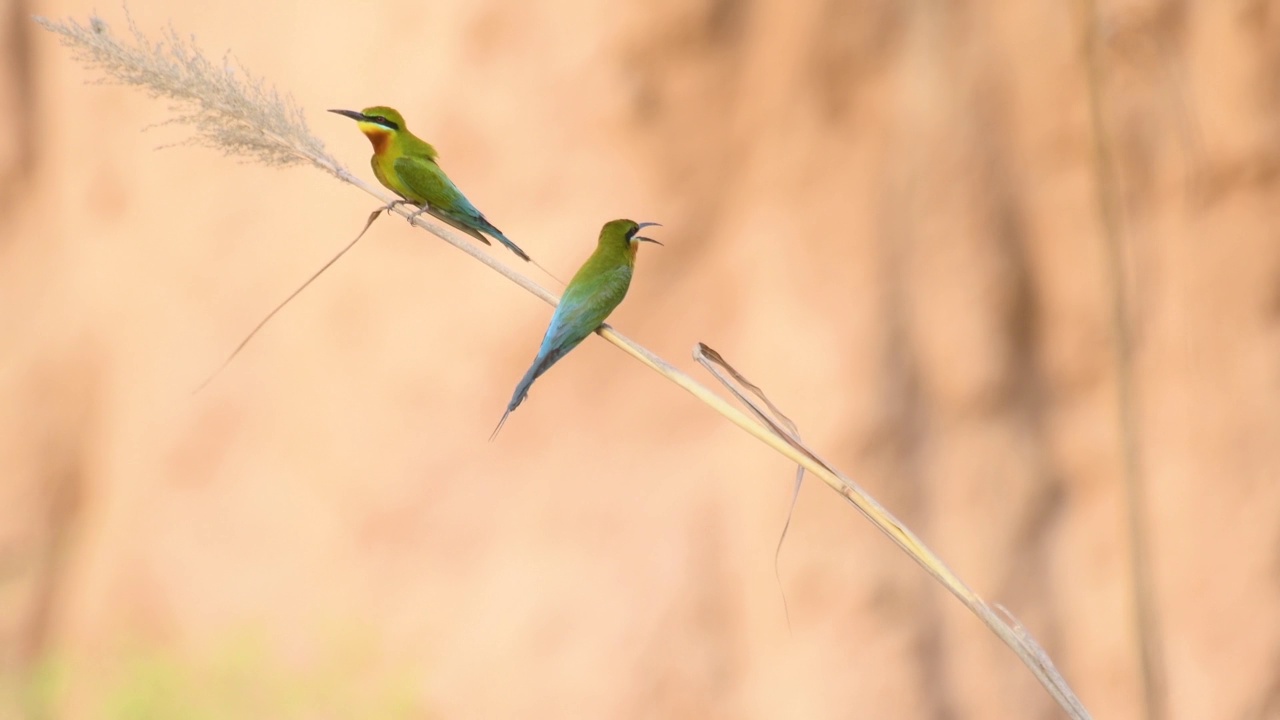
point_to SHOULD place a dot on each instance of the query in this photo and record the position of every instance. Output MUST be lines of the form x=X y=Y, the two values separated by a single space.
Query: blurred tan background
x=888 y=214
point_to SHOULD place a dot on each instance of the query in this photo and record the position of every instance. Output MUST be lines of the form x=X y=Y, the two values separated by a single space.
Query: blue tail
x=539 y=366
x=497 y=234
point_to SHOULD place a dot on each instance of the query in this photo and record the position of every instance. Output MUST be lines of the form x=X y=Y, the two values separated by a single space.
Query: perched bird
x=407 y=166
x=593 y=293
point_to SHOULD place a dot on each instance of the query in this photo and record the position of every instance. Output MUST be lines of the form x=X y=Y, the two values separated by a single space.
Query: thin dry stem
x=1111 y=218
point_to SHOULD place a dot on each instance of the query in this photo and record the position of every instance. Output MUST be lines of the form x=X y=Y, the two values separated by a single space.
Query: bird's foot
x=393 y=205
x=414 y=215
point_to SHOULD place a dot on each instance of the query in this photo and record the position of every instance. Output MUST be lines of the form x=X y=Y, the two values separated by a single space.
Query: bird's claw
x=414 y=215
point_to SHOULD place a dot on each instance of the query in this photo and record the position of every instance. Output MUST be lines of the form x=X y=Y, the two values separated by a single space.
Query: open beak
x=641 y=226
x=351 y=114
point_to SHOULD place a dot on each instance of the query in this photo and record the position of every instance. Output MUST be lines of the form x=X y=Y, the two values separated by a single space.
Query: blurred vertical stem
x=1110 y=213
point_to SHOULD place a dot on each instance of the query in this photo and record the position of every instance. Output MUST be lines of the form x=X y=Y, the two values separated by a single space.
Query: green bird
x=407 y=166
x=595 y=290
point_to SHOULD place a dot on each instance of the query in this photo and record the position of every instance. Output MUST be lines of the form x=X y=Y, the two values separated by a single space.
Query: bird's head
x=625 y=234
x=378 y=123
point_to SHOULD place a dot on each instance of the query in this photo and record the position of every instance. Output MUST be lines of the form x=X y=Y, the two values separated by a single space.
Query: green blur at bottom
x=241 y=678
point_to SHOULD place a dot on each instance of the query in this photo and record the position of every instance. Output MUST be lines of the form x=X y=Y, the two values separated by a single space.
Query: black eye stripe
x=376 y=120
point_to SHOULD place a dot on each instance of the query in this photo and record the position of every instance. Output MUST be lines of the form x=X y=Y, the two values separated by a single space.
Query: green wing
x=582 y=309
x=444 y=200
x=585 y=304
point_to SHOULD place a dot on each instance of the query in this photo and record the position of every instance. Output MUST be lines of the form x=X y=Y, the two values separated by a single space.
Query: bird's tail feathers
x=489 y=228
x=520 y=253
x=496 y=233
x=457 y=224
x=522 y=390
x=501 y=422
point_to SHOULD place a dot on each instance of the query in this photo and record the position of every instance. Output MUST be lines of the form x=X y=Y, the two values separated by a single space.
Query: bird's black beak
x=641 y=226
x=351 y=114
